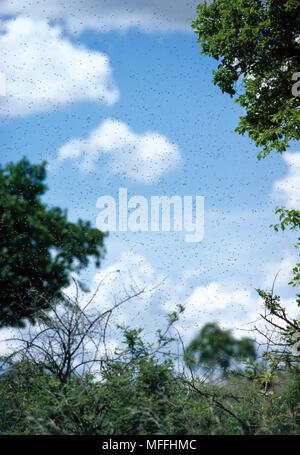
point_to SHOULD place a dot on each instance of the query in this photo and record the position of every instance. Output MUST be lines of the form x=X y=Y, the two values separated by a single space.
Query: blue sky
x=144 y=74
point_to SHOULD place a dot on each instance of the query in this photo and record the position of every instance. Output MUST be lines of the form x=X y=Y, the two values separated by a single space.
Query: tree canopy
x=257 y=43
x=214 y=347
x=39 y=247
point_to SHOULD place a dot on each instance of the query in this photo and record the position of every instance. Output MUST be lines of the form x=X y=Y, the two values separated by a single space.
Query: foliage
x=257 y=43
x=61 y=378
x=216 y=348
x=291 y=219
x=140 y=388
x=39 y=247
x=143 y=393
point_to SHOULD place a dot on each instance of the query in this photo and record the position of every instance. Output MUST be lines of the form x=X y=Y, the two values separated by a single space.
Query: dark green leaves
x=39 y=247
x=258 y=46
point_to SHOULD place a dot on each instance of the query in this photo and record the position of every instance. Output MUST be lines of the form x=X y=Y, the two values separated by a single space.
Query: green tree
x=39 y=247
x=257 y=43
x=214 y=347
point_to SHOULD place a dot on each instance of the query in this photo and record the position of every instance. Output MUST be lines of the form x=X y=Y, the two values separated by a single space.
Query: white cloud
x=142 y=157
x=282 y=270
x=106 y=15
x=232 y=305
x=44 y=70
x=132 y=275
x=5 y=345
x=287 y=190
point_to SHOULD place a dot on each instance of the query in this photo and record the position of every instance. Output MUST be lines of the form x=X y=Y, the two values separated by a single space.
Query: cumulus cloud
x=44 y=70
x=287 y=190
x=232 y=306
x=107 y=15
x=141 y=157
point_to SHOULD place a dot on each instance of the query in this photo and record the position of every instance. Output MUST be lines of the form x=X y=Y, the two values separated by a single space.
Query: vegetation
x=39 y=247
x=217 y=348
x=257 y=43
x=62 y=376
